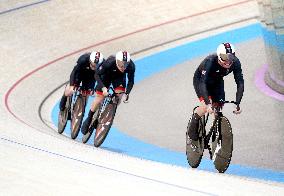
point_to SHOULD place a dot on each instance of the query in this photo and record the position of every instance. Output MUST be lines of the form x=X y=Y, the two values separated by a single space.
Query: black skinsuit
x=108 y=73
x=83 y=73
x=208 y=79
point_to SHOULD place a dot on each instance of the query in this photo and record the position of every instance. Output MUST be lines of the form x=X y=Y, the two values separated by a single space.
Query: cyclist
x=209 y=84
x=84 y=72
x=112 y=71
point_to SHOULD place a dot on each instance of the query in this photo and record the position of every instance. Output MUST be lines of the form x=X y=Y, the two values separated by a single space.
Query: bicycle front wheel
x=77 y=116
x=104 y=124
x=195 y=149
x=222 y=145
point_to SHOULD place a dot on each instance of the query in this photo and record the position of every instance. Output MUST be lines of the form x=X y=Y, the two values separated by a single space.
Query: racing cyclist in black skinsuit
x=84 y=72
x=113 y=71
x=209 y=84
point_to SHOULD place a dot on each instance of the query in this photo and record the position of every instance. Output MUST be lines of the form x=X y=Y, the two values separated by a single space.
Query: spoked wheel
x=77 y=116
x=91 y=128
x=104 y=124
x=63 y=116
x=222 y=145
x=194 y=149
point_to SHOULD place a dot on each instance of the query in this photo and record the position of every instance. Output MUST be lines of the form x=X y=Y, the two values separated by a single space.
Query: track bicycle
x=74 y=111
x=221 y=137
x=103 y=118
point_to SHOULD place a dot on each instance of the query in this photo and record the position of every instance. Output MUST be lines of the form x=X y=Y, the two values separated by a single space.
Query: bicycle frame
x=106 y=116
x=214 y=129
x=220 y=132
x=79 y=92
x=111 y=98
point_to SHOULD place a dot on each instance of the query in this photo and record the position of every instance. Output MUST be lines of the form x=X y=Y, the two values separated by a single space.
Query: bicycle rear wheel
x=194 y=150
x=77 y=116
x=222 y=145
x=104 y=124
x=63 y=116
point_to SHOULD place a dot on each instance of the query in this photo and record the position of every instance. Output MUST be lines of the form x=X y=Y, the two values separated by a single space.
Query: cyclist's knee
x=201 y=110
x=69 y=90
x=97 y=101
x=99 y=98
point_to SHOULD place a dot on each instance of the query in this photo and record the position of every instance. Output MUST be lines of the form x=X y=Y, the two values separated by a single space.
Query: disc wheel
x=222 y=145
x=104 y=124
x=63 y=116
x=195 y=149
x=77 y=116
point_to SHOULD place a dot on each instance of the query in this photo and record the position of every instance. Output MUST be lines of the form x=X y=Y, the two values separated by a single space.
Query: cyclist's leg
x=94 y=107
x=88 y=87
x=198 y=113
x=202 y=109
x=218 y=93
x=69 y=90
x=119 y=86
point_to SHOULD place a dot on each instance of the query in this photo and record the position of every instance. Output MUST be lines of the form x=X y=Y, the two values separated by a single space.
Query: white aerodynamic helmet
x=226 y=52
x=123 y=56
x=96 y=57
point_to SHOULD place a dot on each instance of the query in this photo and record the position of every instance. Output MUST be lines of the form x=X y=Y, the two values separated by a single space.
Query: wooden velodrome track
x=41 y=42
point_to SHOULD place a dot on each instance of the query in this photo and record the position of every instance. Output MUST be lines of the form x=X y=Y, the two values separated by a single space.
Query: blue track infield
x=150 y=65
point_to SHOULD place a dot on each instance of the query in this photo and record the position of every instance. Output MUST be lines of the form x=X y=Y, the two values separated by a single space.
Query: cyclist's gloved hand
x=125 y=98
x=209 y=109
x=237 y=110
x=105 y=92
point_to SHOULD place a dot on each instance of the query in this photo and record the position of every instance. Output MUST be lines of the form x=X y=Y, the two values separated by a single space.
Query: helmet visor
x=227 y=58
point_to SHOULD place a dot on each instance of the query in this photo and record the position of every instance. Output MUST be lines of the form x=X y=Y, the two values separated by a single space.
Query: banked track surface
x=36 y=160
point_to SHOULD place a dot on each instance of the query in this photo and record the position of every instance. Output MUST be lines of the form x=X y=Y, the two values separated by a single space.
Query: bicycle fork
x=216 y=130
x=209 y=135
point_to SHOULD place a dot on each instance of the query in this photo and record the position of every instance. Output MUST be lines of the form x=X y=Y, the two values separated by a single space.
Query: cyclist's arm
x=81 y=63
x=238 y=75
x=74 y=77
x=98 y=79
x=204 y=71
x=130 y=77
